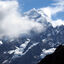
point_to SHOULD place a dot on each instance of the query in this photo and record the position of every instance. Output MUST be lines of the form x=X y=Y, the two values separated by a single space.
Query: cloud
x=12 y=23
x=58 y=22
x=47 y=11
x=53 y=10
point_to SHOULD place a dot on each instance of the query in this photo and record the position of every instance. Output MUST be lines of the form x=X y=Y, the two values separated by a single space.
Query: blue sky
x=11 y=17
x=26 y=5
x=29 y=4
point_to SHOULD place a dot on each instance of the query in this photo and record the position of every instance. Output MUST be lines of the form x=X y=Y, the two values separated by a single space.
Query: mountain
x=38 y=15
x=56 y=58
x=30 y=49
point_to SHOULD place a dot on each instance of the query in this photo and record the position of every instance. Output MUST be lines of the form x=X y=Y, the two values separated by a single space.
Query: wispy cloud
x=53 y=10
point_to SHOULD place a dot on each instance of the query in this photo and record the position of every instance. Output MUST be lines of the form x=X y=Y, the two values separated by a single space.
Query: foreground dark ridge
x=56 y=58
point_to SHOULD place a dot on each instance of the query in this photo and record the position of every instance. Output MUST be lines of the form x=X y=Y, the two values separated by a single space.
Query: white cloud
x=47 y=11
x=53 y=10
x=12 y=23
x=58 y=22
x=59 y=7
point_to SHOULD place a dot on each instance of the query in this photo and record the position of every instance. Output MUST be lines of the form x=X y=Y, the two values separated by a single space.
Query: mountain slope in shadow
x=56 y=58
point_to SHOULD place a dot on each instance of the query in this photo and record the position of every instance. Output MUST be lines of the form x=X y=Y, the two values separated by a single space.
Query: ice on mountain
x=19 y=51
x=46 y=52
x=11 y=51
x=5 y=61
x=51 y=44
x=44 y=40
x=1 y=42
x=49 y=51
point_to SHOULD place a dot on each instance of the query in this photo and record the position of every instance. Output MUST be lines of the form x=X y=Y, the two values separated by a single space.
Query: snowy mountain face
x=30 y=49
x=37 y=15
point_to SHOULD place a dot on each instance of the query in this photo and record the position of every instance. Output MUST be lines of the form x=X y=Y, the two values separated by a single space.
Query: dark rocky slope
x=56 y=58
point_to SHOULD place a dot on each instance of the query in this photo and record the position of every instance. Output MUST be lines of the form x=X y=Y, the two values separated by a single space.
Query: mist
x=12 y=23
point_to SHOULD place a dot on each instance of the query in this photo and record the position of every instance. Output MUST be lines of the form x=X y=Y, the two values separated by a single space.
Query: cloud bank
x=12 y=23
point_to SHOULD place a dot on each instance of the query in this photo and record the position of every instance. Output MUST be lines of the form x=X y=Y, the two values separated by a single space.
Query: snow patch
x=46 y=52
x=1 y=42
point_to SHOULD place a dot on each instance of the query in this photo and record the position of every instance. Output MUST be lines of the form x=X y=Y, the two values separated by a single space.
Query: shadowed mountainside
x=56 y=58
